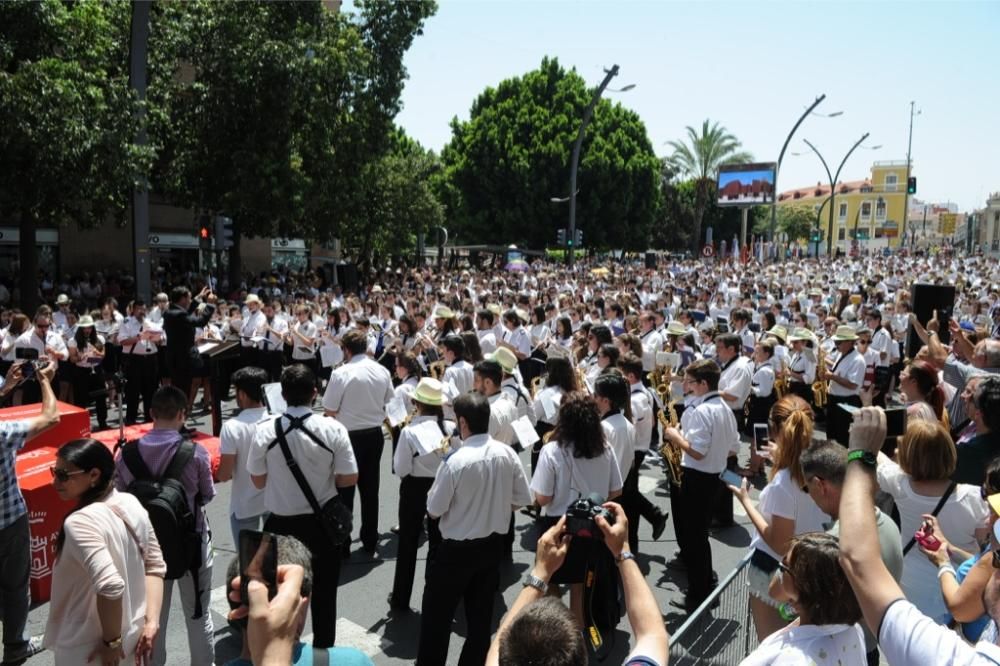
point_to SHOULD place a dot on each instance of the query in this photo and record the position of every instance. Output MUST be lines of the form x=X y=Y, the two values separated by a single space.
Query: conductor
x=179 y=323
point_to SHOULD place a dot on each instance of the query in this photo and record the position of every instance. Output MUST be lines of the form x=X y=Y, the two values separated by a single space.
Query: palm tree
x=699 y=158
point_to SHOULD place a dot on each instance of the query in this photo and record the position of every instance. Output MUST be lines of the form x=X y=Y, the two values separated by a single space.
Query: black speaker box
x=926 y=298
x=347 y=277
x=650 y=260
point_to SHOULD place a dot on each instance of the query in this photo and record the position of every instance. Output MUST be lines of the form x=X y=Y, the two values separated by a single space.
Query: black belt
x=474 y=543
x=763 y=561
x=365 y=431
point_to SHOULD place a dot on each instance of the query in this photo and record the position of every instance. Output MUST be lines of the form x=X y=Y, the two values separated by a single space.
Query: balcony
x=890 y=163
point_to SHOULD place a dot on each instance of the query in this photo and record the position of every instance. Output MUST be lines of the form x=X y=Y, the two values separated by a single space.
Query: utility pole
x=906 y=196
x=140 y=193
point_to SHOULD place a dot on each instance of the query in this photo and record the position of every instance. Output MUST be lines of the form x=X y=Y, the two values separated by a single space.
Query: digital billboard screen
x=746 y=184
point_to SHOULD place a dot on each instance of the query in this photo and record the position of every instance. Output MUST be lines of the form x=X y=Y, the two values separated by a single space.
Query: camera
x=30 y=364
x=581 y=514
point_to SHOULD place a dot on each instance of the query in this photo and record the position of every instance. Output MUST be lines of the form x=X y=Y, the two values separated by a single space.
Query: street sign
x=948 y=222
x=707 y=251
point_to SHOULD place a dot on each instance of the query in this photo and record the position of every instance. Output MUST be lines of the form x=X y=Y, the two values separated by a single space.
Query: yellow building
x=873 y=207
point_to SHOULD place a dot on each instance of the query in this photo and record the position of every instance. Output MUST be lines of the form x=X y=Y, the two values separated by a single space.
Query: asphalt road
x=364 y=622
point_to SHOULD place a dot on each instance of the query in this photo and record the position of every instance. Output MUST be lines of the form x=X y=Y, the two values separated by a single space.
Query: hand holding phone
x=731 y=478
x=761 y=435
x=258 y=561
x=925 y=537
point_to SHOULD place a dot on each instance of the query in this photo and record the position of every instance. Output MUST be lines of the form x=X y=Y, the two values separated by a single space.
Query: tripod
x=119 y=381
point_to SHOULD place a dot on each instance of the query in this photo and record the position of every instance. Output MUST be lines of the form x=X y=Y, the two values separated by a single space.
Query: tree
x=273 y=112
x=796 y=221
x=505 y=163
x=700 y=158
x=68 y=119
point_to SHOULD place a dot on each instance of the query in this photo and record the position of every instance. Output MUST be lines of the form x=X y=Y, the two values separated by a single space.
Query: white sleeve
x=402 y=458
x=856 y=371
x=543 y=481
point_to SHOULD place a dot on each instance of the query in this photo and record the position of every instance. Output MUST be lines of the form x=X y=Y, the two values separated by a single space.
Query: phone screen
x=760 y=435
x=731 y=477
x=258 y=561
x=895 y=421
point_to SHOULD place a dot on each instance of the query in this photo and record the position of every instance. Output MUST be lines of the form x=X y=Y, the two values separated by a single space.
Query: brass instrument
x=437 y=368
x=581 y=379
x=781 y=382
x=671 y=454
x=820 y=387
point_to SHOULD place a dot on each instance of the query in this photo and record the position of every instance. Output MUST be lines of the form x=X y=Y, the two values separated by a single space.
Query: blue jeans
x=15 y=565
x=239 y=524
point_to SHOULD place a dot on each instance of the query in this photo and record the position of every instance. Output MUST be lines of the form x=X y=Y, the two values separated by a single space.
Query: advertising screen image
x=746 y=184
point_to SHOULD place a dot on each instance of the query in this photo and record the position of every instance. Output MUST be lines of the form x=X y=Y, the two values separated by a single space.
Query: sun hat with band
x=505 y=358
x=845 y=334
x=429 y=391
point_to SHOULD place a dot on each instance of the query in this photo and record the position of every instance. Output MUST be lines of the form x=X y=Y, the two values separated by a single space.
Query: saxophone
x=671 y=454
x=437 y=368
x=819 y=387
x=781 y=381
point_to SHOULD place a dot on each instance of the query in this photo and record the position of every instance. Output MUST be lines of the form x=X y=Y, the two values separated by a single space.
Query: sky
x=752 y=66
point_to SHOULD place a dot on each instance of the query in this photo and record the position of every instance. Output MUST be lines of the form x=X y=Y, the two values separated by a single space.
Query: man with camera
x=539 y=628
x=40 y=343
x=15 y=549
x=475 y=490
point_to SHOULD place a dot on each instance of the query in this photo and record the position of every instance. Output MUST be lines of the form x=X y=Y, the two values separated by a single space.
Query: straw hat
x=676 y=328
x=252 y=298
x=505 y=358
x=85 y=321
x=63 y=299
x=802 y=334
x=429 y=392
x=779 y=332
x=442 y=312
x=844 y=334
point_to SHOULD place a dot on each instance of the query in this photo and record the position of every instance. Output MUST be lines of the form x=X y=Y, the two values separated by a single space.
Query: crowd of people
x=595 y=373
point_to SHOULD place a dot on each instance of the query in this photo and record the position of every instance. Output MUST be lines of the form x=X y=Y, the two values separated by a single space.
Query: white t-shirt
x=236 y=438
x=812 y=644
x=963 y=513
x=909 y=637
x=620 y=436
x=565 y=478
x=782 y=497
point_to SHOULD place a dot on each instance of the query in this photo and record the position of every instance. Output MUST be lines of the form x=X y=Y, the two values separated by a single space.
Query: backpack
x=165 y=500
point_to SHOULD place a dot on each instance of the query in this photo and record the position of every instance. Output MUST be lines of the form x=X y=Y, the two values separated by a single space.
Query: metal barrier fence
x=720 y=632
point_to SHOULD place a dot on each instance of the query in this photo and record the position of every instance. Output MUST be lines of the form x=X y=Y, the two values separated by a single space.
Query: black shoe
x=676 y=562
x=660 y=525
x=394 y=529
x=397 y=609
x=370 y=551
x=345 y=551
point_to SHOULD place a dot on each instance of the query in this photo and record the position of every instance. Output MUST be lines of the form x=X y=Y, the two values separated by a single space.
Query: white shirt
x=237 y=438
x=84 y=355
x=642 y=412
x=460 y=375
x=709 y=426
x=652 y=342
x=487 y=341
x=620 y=435
x=274 y=341
x=909 y=637
x=252 y=325
x=519 y=397
x=300 y=350
x=812 y=645
x=801 y=362
x=519 y=339
x=132 y=328
x=881 y=342
x=852 y=368
x=405 y=392
x=784 y=498
x=502 y=414
x=418 y=452
x=28 y=340
x=736 y=379
x=763 y=381
x=545 y=406
x=282 y=495
x=357 y=392
x=566 y=478
x=961 y=515
x=476 y=488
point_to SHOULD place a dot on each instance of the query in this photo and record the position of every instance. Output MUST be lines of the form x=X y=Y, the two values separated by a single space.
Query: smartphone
x=895 y=421
x=258 y=561
x=925 y=537
x=760 y=436
x=850 y=409
x=26 y=354
x=731 y=477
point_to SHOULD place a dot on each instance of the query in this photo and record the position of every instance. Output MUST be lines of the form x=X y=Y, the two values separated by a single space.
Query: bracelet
x=625 y=555
x=946 y=568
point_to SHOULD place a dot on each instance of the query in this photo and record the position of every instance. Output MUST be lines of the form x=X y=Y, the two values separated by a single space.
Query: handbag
x=334 y=517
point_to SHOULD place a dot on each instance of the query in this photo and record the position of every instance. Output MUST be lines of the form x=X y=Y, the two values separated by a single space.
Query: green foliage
x=699 y=158
x=505 y=164
x=796 y=221
x=68 y=118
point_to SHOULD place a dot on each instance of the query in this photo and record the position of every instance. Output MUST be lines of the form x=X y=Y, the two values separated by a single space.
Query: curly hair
x=579 y=426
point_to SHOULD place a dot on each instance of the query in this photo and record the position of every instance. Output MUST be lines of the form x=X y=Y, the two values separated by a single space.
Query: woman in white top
x=19 y=324
x=415 y=461
x=812 y=582
x=576 y=463
x=926 y=460
x=302 y=335
x=107 y=582
x=86 y=352
x=784 y=510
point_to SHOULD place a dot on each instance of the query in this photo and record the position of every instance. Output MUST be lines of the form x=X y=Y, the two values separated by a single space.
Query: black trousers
x=15 y=565
x=142 y=377
x=367 y=445
x=467 y=571
x=691 y=505
x=88 y=387
x=273 y=360
x=326 y=571
x=838 y=421
x=636 y=504
x=412 y=509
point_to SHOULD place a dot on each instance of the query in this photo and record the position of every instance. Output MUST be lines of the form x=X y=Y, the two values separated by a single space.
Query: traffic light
x=911 y=185
x=561 y=237
x=223 y=232
x=579 y=238
x=204 y=235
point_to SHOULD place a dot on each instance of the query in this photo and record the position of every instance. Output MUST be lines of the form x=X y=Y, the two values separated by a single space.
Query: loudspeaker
x=926 y=298
x=651 y=260
x=347 y=277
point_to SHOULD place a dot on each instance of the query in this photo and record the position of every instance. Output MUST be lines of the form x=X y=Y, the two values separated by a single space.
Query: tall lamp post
x=575 y=162
x=906 y=197
x=781 y=156
x=833 y=186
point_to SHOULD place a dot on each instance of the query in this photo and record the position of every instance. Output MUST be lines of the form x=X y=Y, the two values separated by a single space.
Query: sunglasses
x=61 y=475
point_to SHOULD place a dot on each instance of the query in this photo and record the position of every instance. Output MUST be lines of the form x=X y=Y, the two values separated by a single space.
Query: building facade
x=870 y=210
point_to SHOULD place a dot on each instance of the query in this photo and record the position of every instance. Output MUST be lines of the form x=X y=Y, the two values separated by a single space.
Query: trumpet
x=820 y=387
x=437 y=368
x=671 y=454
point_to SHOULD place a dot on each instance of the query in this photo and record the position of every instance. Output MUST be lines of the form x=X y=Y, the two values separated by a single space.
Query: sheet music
x=525 y=432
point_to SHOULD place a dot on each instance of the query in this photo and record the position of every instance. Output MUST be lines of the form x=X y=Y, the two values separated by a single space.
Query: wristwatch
x=114 y=645
x=535 y=582
x=866 y=457
x=625 y=555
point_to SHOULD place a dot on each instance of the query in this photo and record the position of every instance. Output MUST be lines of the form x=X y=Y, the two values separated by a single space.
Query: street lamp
x=588 y=114
x=781 y=156
x=827 y=115
x=561 y=199
x=833 y=188
x=909 y=146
